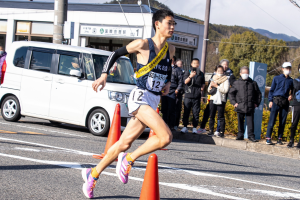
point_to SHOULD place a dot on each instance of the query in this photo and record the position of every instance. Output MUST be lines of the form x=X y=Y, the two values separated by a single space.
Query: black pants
x=188 y=105
x=250 y=125
x=178 y=106
x=213 y=110
x=296 y=118
x=205 y=116
x=168 y=110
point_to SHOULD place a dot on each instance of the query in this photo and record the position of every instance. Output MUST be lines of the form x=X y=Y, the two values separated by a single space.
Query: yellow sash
x=147 y=68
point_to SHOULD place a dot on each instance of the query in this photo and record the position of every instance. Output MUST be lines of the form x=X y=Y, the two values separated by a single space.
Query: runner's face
x=166 y=27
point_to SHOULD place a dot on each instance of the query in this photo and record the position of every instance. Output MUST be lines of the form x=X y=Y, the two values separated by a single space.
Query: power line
x=272 y=17
x=125 y=16
x=254 y=44
x=294 y=3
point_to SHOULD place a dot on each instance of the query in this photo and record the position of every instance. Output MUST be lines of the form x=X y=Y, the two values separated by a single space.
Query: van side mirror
x=75 y=73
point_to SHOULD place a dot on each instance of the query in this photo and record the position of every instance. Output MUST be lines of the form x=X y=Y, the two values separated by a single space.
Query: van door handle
x=60 y=80
x=47 y=78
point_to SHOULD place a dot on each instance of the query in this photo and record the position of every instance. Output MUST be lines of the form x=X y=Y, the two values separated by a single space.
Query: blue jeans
x=283 y=111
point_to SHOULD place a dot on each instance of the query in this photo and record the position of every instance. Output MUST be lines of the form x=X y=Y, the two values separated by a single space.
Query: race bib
x=155 y=81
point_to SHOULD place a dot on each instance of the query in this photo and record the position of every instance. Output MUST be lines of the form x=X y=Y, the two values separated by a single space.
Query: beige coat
x=223 y=89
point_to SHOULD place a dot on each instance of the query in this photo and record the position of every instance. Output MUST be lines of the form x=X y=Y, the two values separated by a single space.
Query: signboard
x=258 y=72
x=184 y=39
x=111 y=31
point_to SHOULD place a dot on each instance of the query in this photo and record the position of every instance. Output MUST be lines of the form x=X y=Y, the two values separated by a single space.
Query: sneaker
x=291 y=144
x=194 y=130
x=201 y=131
x=216 y=133
x=184 y=130
x=252 y=140
x=123 y=167
x=221 y=135
x=269 y=142
x=298 y=146
x=210 y=134
x=279 y=142
x=90 y=182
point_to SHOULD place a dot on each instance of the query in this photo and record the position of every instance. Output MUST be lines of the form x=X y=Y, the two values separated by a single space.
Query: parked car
x=54 y=82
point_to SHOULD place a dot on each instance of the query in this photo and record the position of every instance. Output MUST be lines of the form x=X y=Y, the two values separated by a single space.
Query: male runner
x=143 y=100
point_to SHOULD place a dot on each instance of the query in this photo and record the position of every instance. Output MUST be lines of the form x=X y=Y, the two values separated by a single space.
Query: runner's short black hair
x=160 y=15
x=195 y=59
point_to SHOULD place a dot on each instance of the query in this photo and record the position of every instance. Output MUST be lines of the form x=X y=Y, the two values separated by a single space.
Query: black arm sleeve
x=113 y=58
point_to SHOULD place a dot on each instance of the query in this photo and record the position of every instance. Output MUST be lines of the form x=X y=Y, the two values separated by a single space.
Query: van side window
x=89 y=66
x=68 y=63
x=41 y=61
x=20 y=56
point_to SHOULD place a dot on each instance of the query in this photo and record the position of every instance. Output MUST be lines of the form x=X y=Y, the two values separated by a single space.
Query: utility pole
x=60 y=16
x=205 y=37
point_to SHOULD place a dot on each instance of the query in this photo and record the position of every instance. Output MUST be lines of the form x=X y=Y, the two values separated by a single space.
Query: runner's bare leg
x=132 y=131
x=143 y=116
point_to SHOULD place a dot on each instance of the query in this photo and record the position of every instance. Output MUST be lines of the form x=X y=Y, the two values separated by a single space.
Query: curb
x=241 y=145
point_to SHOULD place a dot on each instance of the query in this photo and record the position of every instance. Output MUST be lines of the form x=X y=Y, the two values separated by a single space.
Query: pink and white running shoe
x=123 y=167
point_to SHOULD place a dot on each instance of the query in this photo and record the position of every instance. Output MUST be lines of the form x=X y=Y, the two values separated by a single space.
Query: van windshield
x=121 y=72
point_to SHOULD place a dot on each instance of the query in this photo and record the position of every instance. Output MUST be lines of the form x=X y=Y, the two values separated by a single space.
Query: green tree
x=240 y=49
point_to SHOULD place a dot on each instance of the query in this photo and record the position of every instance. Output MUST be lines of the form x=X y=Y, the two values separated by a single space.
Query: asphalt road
x=42 y=161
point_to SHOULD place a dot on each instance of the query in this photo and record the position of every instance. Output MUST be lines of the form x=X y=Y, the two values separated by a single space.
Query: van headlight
x=117 y=96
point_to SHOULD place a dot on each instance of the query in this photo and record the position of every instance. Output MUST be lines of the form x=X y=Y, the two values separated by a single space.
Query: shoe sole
x=269 y=143
x=120 y=156
x=83 y=174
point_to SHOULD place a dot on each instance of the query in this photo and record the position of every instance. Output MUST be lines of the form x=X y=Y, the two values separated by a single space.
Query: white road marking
x=79 y=166
x=41 y=129
x=278 y=194
x=167 y=167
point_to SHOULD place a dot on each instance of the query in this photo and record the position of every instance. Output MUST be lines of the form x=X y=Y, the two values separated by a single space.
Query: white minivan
x=54 y=82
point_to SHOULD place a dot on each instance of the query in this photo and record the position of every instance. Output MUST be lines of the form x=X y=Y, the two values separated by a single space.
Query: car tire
x=98 y=122
x=55 y=123
x=10 y=109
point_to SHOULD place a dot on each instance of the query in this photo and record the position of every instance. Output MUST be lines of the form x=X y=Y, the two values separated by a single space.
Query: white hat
x=287 y=64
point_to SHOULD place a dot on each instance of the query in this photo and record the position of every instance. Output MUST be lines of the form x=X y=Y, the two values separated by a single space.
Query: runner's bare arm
x=135 y=46
x=166 y=88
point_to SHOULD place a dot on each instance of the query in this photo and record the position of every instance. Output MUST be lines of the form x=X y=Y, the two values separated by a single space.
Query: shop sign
x=111 y=31
x=184 y=39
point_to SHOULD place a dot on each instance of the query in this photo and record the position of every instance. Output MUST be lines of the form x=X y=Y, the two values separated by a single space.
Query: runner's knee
x=166 y=139
x=123 y=146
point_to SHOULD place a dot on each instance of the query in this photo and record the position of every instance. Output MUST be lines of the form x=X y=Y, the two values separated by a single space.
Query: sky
x=277 y=16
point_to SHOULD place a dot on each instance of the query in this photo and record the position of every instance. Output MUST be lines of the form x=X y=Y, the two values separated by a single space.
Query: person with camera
x=218 y=89
x=279 y=97
x=194 y=84
x=245 y=96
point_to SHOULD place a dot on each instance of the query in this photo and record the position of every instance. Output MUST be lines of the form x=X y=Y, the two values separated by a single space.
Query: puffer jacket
x=246 y=93
x=223 y=89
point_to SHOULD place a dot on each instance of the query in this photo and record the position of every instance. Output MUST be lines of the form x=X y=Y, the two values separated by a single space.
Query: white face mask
x=1 y=52
x=219 y=74
x=286 y=72
x=299 y=70
x=245 y=76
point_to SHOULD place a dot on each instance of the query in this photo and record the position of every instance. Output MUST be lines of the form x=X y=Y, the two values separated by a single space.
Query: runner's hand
x=166 y=88
x=100 y=81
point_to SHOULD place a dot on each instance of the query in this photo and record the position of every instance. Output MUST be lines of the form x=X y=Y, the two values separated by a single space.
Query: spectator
x=168 y=102
x=227 y=71
x=279 y=99
x=218 y=100
x=178 y=104
x=2 y=58
x=194 y=84
x=245 y=96
x=296 y=111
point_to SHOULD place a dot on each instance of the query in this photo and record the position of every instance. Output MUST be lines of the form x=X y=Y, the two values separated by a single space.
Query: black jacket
x=246 y=93
x=296 y=89
x=176 y=80
x=194 y=86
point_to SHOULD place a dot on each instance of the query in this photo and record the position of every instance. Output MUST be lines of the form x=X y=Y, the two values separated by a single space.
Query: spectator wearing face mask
x=245 y=96
x=2 y=58
x=220 y=84
x=279 y=97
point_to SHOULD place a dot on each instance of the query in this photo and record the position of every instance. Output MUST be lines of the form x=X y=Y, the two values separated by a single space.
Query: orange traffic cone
x=150 y=188
x=114 y=132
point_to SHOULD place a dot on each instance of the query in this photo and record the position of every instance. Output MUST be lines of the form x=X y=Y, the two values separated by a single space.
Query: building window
x=186 y=57
x=34 y=31
x=3 y=28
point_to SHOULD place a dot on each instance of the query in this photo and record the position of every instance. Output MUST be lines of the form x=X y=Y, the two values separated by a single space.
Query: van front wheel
x=98 y=122
x=10 y=109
